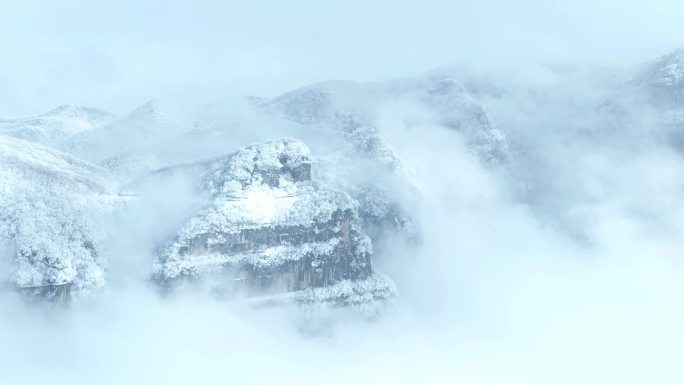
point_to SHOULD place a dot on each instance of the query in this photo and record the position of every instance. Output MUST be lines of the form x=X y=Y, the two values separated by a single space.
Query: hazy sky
x=118 y=54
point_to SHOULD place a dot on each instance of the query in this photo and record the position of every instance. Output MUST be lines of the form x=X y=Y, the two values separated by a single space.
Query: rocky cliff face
x=269 y=228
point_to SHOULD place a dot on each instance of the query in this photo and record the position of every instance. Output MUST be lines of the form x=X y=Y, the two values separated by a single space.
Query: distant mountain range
x=297 y=219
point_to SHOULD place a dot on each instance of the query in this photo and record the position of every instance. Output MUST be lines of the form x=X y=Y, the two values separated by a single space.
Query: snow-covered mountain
x=349 y=114
x=269 y=228
x=49 y=203
x=352 y=110
x=297 y=217
x=56 y=126
x=141 y=132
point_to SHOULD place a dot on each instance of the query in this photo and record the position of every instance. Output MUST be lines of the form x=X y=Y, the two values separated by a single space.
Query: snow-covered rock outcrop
x=269 y=228
x=48 y=203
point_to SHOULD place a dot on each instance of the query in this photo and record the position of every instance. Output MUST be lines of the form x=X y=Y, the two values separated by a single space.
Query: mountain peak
x=159 y=112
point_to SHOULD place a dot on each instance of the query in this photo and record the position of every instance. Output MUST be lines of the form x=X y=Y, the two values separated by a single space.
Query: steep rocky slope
x=270 y=228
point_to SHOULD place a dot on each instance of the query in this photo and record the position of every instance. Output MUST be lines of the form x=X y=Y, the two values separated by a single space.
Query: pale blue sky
x=119 y=54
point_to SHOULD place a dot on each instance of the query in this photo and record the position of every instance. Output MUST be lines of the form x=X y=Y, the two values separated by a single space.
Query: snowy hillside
x=56 y=126
x=141 y=132
x=49 y=203
x=352 y=110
